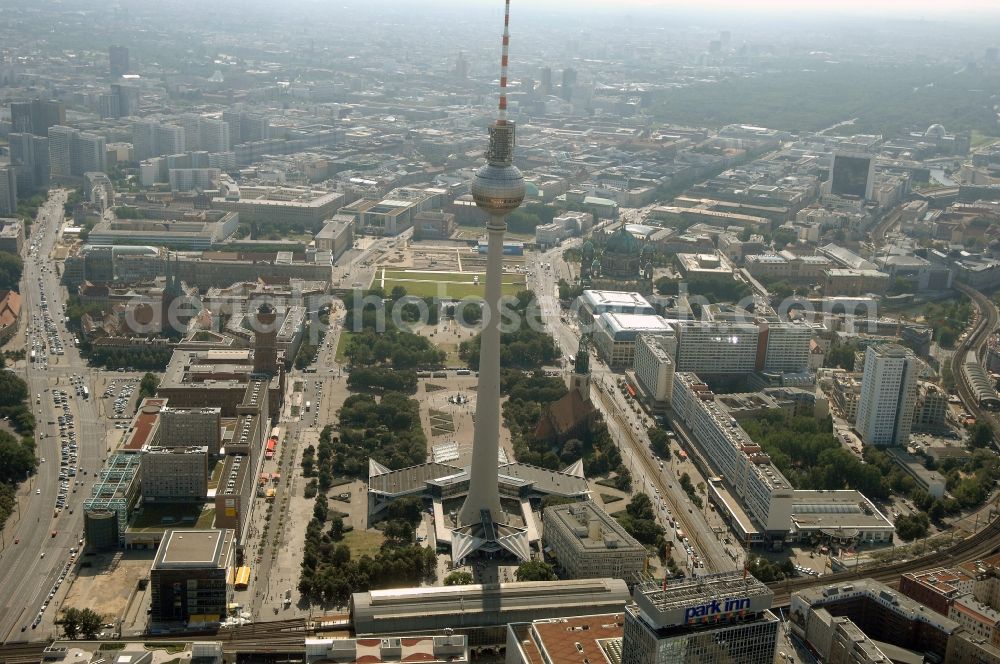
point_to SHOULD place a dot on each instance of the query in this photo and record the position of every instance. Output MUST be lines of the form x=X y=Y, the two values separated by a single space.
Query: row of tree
x=388 y=431
x=639 y=520
x=17 y=455
x=524 y=348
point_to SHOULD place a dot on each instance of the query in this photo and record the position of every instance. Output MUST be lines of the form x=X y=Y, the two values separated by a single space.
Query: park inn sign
x=716 y=609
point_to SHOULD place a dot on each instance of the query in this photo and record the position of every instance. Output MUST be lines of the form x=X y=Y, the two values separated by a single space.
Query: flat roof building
x=189 y=576
x=482 y=612
x=593 y=303
x=615 y=335
x=596 y=638
x=713 y=619
x=175 y=474
x=589 y=544
x=766 y=494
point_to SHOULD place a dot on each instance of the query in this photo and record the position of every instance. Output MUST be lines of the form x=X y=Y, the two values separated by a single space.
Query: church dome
x=935 y=131
x=622 y=242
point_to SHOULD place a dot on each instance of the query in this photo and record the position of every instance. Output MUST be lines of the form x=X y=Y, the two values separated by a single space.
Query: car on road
x=38 y=492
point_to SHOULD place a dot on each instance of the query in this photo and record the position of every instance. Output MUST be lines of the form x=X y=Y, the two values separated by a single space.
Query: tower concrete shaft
x=498 y=188
x=484 y=481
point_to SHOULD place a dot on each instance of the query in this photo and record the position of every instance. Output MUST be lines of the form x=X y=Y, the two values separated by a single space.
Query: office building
x=191 y=426
x=930 y=408
x=381 y=217
x=593 y=303
x=615 y=335
x=153 y=139
x=30 y=155
x=336 y=236
x=282 y=206
x=174 y=474
x=721 y=618
x=113 y=498
x=877 y=611
x=73 y=153
x=852 y=175
x=430 y=225
x=936 y=588
x=587 y=543
x=36 y=116
x=654 y=368
x=766 y=494
x=8 y=190
x=888 y=395
x=11 y=232
x=188 y=581
x=118 y=64
x=717 y=347
x=783 y=347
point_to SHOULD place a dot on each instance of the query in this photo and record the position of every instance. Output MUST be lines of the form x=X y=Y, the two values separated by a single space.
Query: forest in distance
x=807 y=95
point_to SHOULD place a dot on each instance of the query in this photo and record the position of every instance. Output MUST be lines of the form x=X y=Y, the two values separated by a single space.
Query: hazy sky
x=903 y=8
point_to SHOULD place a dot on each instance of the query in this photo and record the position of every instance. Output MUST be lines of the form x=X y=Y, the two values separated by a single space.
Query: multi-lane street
x=38 y=538
x=628 y=428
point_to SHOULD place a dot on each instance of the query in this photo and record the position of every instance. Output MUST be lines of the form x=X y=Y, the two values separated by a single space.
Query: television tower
x=498 y=189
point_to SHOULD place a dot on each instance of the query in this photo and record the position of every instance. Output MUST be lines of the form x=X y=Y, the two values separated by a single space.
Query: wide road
x=628 y=428
x=25 y=576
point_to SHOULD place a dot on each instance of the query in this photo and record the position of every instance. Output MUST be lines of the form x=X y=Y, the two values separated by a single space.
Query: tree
x=659 y=442
x=11 y=267
x=641 y=507
x=13 y=390
x=148 y=385
x=76 y=621
x=535 y=570
x=912 y=526
x=70 y=622
x=458 y=578
x=980 y=434
x=337 y=528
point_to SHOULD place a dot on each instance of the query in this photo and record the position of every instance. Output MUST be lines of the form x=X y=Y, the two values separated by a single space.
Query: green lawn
x=342 y=341
x=470 y=232
x=363 y=542
x=452 y=284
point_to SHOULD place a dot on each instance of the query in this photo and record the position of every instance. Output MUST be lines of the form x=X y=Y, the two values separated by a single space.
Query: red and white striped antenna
x=502 y=117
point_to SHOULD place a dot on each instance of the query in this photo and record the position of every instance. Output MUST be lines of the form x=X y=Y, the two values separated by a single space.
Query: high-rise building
x=37 y=115
x=245 y=127
x=61 y=150
x=118 y=61
x=214 y=135
x=717 y=619
x=545 y=85
x=30 y=154
x=73 y=153
x=783 y=347
x=568 y=83
x=717 y=347
x=497 y=189
x=852 y=175
x=153 y=139
x=888 y=396
x=128 y=99
x=8 y=190
x=174 y=474
x=653 y=362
